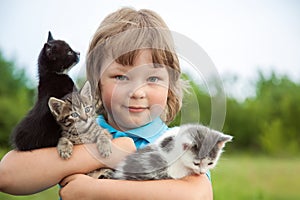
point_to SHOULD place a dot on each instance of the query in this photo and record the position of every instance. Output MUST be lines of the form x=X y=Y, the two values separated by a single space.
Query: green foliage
x=279 y=104
x=196 y=105
x=267 y=122
x=15 y=98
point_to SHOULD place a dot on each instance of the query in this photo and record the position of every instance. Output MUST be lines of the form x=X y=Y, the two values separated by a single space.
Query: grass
x=236 y=177
x=256 y=178
x=50 y=194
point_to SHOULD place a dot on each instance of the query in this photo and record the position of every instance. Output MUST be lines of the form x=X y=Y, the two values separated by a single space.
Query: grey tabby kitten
x=181 y=151
x=75 y=114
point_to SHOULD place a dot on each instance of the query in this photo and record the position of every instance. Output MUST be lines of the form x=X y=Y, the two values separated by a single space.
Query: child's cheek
x=158 y=102
x=107 y=95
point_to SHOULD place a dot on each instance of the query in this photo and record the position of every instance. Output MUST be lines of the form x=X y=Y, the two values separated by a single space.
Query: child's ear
x=56 y=106
x=86 y=91
x=223 y=139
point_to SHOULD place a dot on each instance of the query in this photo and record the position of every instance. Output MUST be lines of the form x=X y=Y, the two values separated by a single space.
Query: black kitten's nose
x=77 y=56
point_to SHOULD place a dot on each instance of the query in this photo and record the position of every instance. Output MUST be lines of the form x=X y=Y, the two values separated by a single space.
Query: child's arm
x=83 y=187
x=29 y=172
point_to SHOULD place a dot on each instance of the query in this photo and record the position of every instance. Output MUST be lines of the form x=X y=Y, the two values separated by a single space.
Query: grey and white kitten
x=181 y=151
x=75 y=114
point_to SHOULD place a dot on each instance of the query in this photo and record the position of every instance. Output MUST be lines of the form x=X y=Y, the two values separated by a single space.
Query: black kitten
x=39 y=129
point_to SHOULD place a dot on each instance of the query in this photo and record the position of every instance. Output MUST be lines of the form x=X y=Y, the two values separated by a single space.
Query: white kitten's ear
x=186 y=146
x=86 y=90
x=223 y=139
x=55 y=106
x=186 y=143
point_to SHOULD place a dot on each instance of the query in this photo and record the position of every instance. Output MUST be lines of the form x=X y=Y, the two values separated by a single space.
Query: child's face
x=134 y=95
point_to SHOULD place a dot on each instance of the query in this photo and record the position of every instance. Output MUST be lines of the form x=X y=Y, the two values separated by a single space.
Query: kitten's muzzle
x=77 y=56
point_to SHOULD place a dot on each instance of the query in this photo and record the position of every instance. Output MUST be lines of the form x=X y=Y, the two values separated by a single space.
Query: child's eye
x=75 y=114
x=153 y=79
x=121 y=77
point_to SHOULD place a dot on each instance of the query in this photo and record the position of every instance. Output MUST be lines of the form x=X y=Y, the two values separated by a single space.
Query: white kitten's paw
x=103 y=173
x=65 y=148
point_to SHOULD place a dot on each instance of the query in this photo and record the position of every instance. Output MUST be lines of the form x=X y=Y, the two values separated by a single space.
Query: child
x=135 y=73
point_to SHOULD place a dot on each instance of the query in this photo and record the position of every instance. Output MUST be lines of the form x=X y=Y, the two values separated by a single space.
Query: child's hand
x=77 y=186
x=81 y=186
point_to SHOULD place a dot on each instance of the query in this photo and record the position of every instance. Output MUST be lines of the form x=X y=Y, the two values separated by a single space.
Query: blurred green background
x=261 y=163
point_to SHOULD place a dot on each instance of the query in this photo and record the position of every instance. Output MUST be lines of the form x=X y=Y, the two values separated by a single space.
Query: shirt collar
x=148 y=132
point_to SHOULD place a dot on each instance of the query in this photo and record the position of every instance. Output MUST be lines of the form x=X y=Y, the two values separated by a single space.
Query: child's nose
x=138 y=93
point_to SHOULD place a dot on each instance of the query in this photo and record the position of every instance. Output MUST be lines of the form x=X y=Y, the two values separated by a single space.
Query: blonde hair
x=120 y=37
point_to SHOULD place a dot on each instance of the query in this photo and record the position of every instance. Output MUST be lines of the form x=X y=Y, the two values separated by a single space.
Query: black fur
x=38 y=128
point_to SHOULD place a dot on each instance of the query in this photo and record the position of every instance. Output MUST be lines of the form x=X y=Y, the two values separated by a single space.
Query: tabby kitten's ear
x=86 y=91
x=56 y=106
x=50 y=37
x=223 y=139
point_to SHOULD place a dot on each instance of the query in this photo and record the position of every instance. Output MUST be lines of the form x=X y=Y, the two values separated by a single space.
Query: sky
x=240 y=36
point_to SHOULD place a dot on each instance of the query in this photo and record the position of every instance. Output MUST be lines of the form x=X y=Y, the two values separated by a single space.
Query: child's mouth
x=136 y=109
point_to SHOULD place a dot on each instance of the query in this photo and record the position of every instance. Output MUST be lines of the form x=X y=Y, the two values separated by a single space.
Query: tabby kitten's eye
x=75 y=114
x=87 y=109
x=210 y=163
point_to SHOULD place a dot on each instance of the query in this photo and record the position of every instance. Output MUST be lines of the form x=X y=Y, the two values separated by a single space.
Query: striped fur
x=75 y=114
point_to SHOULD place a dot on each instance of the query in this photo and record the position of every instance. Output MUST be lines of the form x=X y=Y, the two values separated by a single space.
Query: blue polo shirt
x=142 y=135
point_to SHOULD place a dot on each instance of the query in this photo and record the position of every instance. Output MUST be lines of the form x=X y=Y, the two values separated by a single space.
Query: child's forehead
x=141 y=59
x=138 y=68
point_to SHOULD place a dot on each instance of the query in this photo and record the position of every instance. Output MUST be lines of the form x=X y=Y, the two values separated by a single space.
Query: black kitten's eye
x=210 y=163
x=70 y=53
x=87 y=109
x=75 y=114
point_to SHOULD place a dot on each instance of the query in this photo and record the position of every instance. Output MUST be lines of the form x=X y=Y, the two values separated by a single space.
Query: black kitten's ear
x=47 y=47
x=50 y=37
x=48 y=51
x=56 y=106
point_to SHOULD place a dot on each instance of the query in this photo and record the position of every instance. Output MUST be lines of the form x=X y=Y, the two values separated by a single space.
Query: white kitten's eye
x=196 y=163
x=195 y=147
x=210 y=163
x=75 y=114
